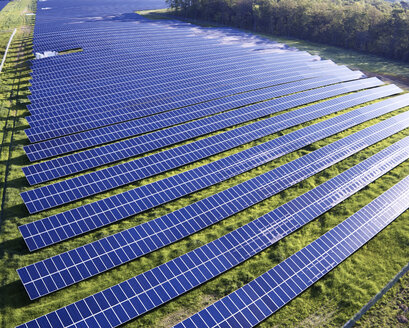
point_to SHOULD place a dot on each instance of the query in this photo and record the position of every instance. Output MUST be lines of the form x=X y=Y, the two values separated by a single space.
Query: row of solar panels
x=134 y=38
x=234 y=70
x=151 y=95
x=162 y=231
x=73 y=222
x=135 y=110
x=147 y=33
x=36 y=200
x=58 y=16
x=49 y=148
x=149 y=76
x=39 y=151
x=142 y=101
x=41 y=133
x=261 y=297
x=70 y=143
x=126 y=89
x=173 y=63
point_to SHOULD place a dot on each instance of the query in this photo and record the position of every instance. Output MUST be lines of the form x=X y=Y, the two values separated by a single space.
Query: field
x=385 y=313
x=329 y=303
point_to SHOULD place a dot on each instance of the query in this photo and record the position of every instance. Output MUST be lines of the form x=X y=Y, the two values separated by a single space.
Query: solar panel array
x=160 y=95
x=128 y=129
x=138 y=295
x=69 y=190
x=76 y=265
x=263 y=296
x=141 y=110
x=56 y=228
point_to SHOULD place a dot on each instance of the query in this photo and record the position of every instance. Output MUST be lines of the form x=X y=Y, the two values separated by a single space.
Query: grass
x=385 y=312
x=329 y=303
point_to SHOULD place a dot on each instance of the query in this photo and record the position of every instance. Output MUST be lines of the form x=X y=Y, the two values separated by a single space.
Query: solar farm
x=179 y=175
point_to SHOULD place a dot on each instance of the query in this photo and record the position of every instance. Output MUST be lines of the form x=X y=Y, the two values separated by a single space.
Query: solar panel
x=73 y=266
x=140 y=38
x=135 y=111
x=111 y=73
x=110 y=153
x=68 y=70
x=144 y=35
x=139 y=92
x=130 y=73
x=172 y=43
x=177 y=116
x=215 y=45
x=149 y=54
x=85 y=218
x=254 y=302
x=112 y=177
x=156 y=75
x=131 y=128
x=135 y=83
x=3 y=3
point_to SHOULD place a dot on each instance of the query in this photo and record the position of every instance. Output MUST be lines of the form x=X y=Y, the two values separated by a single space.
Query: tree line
x=373 y=26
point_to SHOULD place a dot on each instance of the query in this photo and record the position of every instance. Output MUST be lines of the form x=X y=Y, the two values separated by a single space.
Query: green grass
x=385 y=312
x=329 y=303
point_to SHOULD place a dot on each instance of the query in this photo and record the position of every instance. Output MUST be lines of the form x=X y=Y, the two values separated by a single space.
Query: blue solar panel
x=262 y=296
x=172 y=101
x=135 y=242
x=181 y=115
x=131 y=128
x=133 y=40
x=136 y=111
x=144 y=38
x=95 y=157
x=155 y=75
x=140 y=92
x=198 y=49
x=155 y=71
x=92 y=183
x=65 y=15
x=131 y=68
x=254 y=302
x=173 y=44
x=68 y=69
x=67 y=224
x=3 y=3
